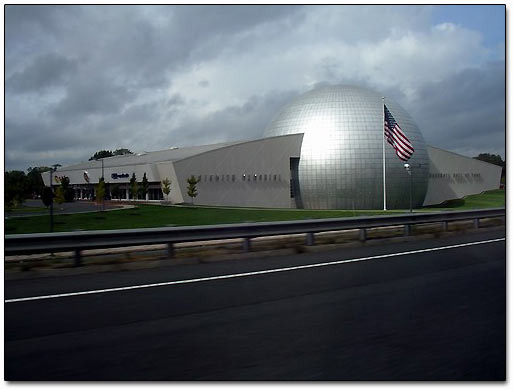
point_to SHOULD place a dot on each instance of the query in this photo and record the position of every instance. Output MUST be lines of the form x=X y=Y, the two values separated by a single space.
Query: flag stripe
x=401 y=134
x=399 y=151
x=401 y=143
x=401 y=140
x=396 y=137
x=398 y=145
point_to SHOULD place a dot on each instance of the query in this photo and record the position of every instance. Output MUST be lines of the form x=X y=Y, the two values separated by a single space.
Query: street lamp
x=407 y=168
x=52 y=170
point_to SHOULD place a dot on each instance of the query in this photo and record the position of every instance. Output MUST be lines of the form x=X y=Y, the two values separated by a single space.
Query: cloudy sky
x=83 y=78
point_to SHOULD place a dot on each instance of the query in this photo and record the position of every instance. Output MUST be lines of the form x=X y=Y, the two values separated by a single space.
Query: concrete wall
x=254 y=173
x=452 y=176
x=167 y=170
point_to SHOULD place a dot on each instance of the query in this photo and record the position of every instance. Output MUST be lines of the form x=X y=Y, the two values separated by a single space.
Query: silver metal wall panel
x=341 y=156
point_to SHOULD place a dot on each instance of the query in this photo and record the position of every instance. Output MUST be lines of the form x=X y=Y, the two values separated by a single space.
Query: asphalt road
x=422 y=315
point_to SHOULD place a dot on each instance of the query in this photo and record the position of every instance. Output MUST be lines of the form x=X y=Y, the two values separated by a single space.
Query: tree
x=495 y=159
x=101 y=154
x=109 y=153
x=144 y=186
x=16 y=187
x=46 y=196
x=121 y=152
x=67 y=191
x=100 y=191
x=191 y=187
x=166 y=187
x=59 y=195
x=35 y=181
x=134 y=187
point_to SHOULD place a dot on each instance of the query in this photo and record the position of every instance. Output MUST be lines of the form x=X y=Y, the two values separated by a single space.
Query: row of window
x=153 y=194
x=244 y=177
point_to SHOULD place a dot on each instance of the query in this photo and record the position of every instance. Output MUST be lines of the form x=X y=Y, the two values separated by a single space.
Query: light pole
x=52 y=170
x=407 y=168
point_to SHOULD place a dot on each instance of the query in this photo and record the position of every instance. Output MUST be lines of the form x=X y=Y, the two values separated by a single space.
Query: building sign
x=86 y=176
x=470 y=175
x=119 y=175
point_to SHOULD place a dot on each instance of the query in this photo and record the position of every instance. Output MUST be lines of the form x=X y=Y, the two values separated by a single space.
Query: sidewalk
x=78 y=206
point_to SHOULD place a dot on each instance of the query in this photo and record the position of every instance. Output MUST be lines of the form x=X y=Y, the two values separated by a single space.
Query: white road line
x=245 y=274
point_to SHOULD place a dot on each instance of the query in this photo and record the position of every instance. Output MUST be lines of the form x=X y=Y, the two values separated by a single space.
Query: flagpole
x=383 y=152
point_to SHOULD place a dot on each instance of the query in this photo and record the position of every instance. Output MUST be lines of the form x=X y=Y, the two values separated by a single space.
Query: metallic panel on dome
x=341 y=157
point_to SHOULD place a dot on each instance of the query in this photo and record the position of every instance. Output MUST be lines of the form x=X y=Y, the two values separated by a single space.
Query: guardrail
x=16 y=244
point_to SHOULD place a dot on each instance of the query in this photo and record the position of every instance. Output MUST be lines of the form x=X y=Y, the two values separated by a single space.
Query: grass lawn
x=488 y=199
x=145 y=216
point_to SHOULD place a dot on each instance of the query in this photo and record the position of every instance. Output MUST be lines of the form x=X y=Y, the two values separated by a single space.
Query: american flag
x=395 y=136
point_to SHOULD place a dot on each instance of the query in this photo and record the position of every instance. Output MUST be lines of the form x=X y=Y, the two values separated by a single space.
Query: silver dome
x=341 y=158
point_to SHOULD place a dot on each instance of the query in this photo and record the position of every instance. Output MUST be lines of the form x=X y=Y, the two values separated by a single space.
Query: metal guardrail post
x=362 y=234
x=170 y=250
x=477 y=223
x=246 y=244
x=77 y=262
x=310 y=239
x=406 y=230
x=445 y=226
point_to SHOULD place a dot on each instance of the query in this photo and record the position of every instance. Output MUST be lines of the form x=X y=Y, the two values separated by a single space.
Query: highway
x=419 y=310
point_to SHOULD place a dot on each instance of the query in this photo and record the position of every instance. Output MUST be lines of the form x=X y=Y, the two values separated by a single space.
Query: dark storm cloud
x=205 y=20
x=42 y=136
x=96 y=96
x=45 y=71
x=26 y=19
x=238 y=122
x=464 y=112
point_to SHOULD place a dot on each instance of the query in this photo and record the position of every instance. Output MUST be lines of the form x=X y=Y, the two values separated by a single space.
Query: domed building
x=324 y=150
x=341 y=160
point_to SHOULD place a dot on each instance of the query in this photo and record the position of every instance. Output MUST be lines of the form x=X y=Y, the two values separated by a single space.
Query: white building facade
x=248 y=173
